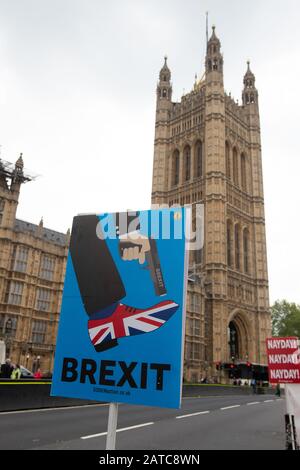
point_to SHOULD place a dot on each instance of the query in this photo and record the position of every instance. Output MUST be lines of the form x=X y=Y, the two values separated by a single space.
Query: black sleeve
x=98 y=279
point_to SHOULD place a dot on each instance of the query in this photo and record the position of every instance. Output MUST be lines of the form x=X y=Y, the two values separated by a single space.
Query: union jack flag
x=129 y=321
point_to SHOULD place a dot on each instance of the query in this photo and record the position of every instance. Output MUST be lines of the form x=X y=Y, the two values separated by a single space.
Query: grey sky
x=77 y=97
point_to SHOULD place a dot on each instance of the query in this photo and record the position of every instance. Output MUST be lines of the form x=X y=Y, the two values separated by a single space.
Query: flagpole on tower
x=206 y=27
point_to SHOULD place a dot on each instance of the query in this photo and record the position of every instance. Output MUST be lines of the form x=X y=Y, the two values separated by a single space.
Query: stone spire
x=20 y=163
x=17 y=176
x=164 y=87
x=250 y=93
x=214 y=58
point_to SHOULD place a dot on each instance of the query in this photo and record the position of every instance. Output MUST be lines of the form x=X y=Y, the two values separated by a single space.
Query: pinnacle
x=20 y=162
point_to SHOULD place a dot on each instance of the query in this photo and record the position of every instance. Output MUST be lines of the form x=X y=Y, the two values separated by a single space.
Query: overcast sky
x=77 y=97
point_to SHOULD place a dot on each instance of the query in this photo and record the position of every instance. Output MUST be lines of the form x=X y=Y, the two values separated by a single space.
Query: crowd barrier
x=29 y=394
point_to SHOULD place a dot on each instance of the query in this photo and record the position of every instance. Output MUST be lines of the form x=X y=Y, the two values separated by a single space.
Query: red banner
x=283 y=360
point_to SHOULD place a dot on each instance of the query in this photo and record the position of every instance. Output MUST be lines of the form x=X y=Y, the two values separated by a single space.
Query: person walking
x=6 y=369
x=16 y=373
x=253 y=385
x=38 y=374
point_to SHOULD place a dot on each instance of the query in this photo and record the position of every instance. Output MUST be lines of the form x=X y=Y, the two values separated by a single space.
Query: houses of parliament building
x=207 y=151
x=32 y=270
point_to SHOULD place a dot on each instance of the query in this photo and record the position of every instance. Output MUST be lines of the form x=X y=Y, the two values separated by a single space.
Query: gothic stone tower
x=207 y=151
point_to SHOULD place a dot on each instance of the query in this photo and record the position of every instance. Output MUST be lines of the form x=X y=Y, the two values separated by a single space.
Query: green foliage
x=285 y=319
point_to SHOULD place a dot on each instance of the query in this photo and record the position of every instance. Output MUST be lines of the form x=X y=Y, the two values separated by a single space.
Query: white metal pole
x=289 y=411
x=112 y=426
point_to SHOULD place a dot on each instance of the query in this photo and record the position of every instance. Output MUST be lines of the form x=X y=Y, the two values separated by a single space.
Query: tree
x=285 y=319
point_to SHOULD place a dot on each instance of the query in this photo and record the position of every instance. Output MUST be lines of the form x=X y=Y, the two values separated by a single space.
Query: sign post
x=122 y=324
x=284 y=368
x=292 y=393
x=112 y=426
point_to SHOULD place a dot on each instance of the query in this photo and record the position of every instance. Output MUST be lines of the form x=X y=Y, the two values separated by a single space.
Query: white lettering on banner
x=282 y=344
x=296 y=356
x=284 y=359
x=284 y=374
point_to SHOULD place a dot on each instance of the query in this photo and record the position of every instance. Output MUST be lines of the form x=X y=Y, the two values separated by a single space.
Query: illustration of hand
x=134 y=246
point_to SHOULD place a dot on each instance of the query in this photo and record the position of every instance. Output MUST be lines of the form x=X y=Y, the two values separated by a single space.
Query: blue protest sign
x=121 y=329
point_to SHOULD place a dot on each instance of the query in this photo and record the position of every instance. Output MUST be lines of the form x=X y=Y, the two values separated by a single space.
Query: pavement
x=203 y=423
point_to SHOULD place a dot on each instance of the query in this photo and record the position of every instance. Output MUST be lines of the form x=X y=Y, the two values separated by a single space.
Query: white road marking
x=118 y=430
x=254 y=403
x=268 y=401
x=229 y=407
x=193 y=414
x=60 y=408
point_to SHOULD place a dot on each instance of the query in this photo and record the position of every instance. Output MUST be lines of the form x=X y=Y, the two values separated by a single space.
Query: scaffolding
x=15 y=172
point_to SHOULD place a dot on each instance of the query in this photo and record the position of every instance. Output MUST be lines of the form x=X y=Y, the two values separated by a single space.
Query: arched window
x=175 y=167
x=243 y=172
x=227 y=157
x=164 y=93
x=246 y=250
x=237 y=245
x=235 y=166
x=187 y=163
x=229 y=243
x=198 y=159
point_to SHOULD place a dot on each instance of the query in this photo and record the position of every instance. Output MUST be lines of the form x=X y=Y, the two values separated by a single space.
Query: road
x=232 y=422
